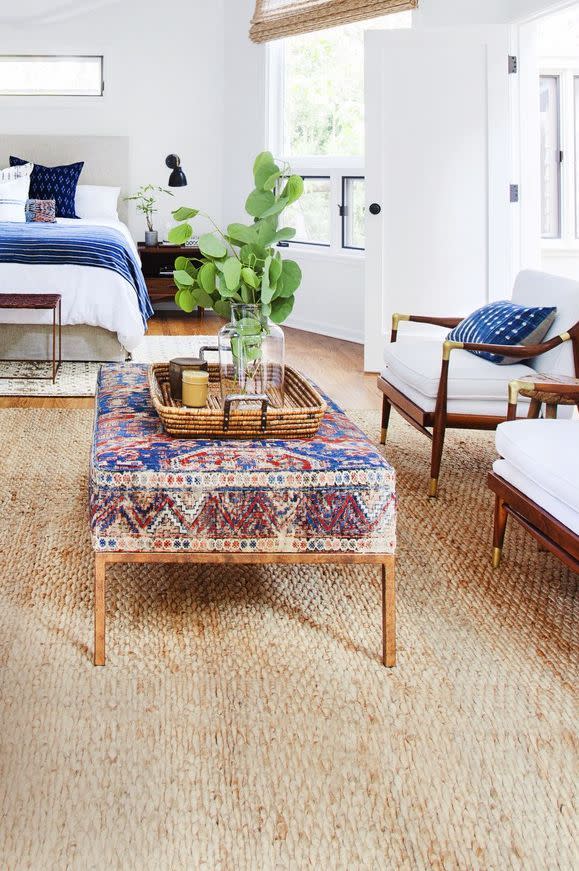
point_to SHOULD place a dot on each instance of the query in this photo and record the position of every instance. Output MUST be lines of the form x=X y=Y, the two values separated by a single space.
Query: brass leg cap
x=383 y=436
x=497 y=556
x=433 y=488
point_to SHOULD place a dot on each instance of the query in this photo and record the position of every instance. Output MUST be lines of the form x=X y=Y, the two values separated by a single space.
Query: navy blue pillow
x=504 y=323
x=56 y=183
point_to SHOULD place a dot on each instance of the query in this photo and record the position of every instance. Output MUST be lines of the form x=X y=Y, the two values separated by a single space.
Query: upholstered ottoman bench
x=154 y=498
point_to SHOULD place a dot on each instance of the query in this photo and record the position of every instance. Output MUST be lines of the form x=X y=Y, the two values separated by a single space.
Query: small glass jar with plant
x=147 y=198
x=243 y=277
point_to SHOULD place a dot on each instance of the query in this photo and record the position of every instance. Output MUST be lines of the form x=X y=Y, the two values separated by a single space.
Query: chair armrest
x=422 y=319
x=522 y=352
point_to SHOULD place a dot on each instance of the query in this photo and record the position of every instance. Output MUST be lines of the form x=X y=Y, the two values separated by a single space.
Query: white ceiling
x=50 y=10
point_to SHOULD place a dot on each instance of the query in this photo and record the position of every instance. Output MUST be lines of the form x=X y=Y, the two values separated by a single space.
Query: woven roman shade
x=274 y=19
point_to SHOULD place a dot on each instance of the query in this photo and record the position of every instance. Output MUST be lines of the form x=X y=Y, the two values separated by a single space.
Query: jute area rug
x=244 y=720
x=79 y=379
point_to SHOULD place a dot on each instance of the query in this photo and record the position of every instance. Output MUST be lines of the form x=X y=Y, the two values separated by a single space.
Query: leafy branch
x=146 y=200
x=243 y=264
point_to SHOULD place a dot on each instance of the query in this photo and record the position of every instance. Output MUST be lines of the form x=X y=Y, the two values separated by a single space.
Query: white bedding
x=94 y=296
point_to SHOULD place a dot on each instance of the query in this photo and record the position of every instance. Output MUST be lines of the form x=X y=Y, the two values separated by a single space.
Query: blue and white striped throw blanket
x=81 y=245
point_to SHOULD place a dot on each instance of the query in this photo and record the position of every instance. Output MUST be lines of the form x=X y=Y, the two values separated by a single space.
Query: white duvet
x=94 y=296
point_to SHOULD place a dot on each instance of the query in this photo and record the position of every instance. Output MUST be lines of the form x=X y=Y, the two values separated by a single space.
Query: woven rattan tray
x=298 y=418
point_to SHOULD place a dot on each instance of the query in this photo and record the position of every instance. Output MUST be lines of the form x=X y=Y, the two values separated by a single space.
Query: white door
x=438 y=163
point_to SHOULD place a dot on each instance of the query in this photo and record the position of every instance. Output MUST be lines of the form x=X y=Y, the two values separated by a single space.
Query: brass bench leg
x=388 y=614
x=99 y=609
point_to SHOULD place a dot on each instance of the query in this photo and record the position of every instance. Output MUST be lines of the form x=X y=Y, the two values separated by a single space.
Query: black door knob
x=375 y=209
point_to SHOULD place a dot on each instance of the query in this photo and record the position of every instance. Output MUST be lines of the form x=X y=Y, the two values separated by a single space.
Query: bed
x=92 y=263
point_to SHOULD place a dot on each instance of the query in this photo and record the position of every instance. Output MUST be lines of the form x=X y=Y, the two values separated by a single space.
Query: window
x=576 y=137
x=46 y=75
x=550 y=158
x=353 y=212
x=316 y=125
x=311 y=215
x=558 y=48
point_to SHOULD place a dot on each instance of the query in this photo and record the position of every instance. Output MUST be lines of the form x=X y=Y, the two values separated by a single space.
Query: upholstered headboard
x=106 y=158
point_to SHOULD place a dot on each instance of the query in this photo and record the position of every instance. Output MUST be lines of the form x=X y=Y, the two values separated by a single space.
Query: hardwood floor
x=335 y=365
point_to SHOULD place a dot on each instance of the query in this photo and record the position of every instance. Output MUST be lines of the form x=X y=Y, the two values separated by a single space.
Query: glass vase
x=252 y=355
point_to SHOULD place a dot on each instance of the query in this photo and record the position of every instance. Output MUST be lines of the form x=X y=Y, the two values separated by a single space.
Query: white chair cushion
x=475 y=385
x=540 y=289
x=561 y=512
x=541 y=459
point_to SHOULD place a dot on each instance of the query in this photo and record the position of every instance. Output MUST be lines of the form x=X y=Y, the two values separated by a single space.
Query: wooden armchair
x=436 y=384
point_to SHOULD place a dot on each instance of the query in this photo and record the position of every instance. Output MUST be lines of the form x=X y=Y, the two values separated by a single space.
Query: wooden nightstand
x=158 y=262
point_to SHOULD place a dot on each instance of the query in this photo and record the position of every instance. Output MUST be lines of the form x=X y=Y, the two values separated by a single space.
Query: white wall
x=438 y=13
x=449 y=13
x=164 y=84
x=185 y=78
x=331 y=297
x=521 y=9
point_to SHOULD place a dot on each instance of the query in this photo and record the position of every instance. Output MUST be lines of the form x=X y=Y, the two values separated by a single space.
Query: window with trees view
x=317 y=125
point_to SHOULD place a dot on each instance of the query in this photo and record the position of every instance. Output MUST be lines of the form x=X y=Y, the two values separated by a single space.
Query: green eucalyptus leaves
x=244 y=264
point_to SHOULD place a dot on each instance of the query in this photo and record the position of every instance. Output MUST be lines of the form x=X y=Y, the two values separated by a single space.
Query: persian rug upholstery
x=152 y=492
x=244 y=720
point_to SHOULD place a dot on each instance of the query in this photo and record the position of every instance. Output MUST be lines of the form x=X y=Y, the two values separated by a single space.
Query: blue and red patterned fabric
x=151 y=492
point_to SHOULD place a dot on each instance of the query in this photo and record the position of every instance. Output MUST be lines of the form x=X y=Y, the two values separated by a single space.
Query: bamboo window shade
x=274 y=19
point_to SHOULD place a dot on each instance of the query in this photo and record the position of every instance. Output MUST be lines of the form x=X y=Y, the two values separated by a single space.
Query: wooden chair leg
x=534 y=409
x=389 y=614
x=386 y=407
x=99 y=609
x=550 y=411
x=438 y=435
x=500 y=527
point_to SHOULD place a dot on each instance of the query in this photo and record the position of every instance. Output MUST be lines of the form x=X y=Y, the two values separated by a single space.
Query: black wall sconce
x=177 y=179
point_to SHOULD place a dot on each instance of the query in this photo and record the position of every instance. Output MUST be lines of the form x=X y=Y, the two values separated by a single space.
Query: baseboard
x=325 y=330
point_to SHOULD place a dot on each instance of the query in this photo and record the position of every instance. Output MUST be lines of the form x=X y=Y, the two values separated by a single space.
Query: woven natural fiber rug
x=80 y=378
x=244 y=720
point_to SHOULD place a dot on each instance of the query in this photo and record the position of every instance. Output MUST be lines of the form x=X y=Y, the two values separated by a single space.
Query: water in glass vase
x=251 y=355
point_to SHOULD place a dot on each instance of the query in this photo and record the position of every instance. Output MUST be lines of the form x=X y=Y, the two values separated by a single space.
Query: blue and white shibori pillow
x=504 y=323
x=56 y=183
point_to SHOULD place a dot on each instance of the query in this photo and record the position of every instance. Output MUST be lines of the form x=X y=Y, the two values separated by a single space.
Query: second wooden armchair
x=437 y=384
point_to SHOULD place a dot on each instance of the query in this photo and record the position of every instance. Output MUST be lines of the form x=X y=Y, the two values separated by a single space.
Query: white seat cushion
x=540 y=289
x=475 y=385
x=541 y=459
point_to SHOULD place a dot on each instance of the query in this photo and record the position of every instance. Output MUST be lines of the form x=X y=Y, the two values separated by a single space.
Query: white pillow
x=13 y=196
x=12 y=172
x=97 y=201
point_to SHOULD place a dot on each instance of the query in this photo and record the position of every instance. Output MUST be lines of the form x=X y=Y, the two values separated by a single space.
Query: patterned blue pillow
x=56 y=183
x=504 y=323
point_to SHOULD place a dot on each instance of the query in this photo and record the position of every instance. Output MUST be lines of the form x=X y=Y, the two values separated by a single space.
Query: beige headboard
x=106 y=158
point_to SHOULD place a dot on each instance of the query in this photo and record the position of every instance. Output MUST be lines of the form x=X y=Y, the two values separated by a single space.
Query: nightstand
x=158 y=262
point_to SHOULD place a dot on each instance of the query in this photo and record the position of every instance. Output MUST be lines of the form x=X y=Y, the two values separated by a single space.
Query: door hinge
x=342 y=211
x=514 y=193
x=561 y=156
x=513 y=64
